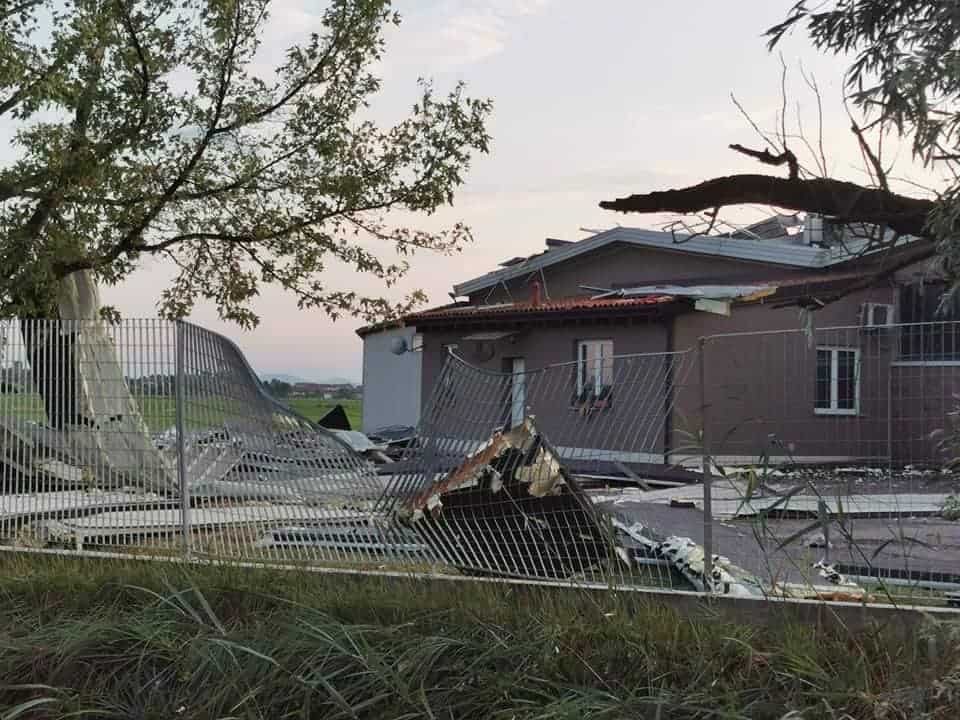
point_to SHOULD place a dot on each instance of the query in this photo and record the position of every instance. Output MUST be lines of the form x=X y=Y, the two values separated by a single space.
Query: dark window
x=594 y=365
x=823 y=379
x=880 y=315
x=846 y=380
x=594 y=387
x=929 y=332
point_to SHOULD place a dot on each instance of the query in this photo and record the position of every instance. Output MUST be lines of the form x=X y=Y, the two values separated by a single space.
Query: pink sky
x=592 y=100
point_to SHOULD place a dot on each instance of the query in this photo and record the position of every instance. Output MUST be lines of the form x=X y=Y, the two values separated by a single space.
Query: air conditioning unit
x=875 y=315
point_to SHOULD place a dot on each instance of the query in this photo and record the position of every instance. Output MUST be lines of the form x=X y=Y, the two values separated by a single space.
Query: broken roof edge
x=381 y=326
x=766 y=251
x=579 y=306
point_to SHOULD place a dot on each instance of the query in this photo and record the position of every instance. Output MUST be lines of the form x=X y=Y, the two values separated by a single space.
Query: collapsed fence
x=781 y=463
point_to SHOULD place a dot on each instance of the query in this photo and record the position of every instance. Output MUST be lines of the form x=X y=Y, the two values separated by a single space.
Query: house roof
x=786 y=252
x=643 y=299
x=579 y=305
x=392 y=324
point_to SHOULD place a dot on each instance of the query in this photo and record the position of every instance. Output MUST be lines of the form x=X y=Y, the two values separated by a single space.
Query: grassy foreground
x=138 y=640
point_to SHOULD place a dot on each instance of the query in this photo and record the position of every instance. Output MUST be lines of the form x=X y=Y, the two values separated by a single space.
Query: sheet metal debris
x=510 y=509
x=687 y=558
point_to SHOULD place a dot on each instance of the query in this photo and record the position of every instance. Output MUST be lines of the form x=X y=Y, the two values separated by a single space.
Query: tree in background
x=164 y=129
x=154 y=128
x=346 y=392
x=278 y=388
x=904 y=79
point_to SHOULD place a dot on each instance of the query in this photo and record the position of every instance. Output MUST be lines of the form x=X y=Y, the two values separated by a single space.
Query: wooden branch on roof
x=845 y=201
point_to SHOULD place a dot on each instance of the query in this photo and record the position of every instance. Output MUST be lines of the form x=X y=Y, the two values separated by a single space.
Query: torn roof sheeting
x=706 y=292
x=785 y=252
x=510 y=509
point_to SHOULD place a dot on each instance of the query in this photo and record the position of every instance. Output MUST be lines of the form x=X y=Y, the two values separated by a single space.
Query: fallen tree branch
x=845 y=201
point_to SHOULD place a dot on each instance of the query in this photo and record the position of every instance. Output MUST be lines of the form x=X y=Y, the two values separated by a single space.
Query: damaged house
x=817 y=350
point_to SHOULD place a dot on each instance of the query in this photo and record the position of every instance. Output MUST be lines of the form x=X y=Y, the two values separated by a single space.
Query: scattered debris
x=107 y=526
x=817 y=540
x=364 y=534
x=687 y=557
x=522 y=512
x=24 y=506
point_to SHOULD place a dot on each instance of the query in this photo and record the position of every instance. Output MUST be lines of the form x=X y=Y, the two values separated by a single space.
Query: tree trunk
x=79 y=376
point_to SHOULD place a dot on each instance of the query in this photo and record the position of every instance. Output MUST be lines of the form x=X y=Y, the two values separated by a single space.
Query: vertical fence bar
x=705 y=457
x=181 y=435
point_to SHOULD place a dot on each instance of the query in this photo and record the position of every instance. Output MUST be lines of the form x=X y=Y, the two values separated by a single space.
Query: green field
x=315 y=408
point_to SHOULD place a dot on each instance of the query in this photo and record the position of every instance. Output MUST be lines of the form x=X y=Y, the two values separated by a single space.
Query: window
x=838 y=381
x=877 y=314
x=930 y=332
x=594 y=366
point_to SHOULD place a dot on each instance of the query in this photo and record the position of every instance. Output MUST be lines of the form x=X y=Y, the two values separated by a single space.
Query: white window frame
x=835 y=351
x=581 y=362
x=869 y=310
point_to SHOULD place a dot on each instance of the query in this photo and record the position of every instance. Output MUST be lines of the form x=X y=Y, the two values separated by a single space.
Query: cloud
x=455 y=33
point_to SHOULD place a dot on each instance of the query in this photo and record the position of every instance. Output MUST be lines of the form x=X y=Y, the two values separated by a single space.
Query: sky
x=592 y=100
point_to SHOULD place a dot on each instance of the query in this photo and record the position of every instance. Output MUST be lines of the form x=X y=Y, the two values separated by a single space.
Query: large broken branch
x=845 y=201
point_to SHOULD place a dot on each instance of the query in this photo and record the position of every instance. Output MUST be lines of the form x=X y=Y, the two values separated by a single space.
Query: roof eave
x=529 y=315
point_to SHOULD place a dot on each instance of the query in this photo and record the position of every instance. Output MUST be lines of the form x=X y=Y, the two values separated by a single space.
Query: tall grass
x=138 y=640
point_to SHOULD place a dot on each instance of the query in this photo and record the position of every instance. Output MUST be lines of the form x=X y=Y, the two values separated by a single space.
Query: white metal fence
x=158 y=436
x=826 y=456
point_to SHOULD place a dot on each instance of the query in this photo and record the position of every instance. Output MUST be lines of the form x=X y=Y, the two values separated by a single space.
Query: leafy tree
x=345 y=392
x=279 y=388
x=152 y=128
x=904 y=79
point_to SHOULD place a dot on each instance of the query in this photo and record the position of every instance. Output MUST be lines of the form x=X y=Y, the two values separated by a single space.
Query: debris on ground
x=396 y=438
x=726 y=578
x=817 y=540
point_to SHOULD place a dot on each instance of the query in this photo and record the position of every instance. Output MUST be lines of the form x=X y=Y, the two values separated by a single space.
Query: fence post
x=705 y=467
x=181 y=434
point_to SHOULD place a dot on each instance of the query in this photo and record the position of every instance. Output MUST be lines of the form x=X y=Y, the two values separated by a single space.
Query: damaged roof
x=786 y=252
x=545 y=307
x=646 y=299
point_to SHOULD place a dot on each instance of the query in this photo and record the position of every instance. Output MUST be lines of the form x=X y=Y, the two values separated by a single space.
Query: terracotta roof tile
x=568 y=304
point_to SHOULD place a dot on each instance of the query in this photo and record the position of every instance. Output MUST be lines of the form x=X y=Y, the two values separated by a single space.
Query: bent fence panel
x=828 y=454
x=157 y=437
